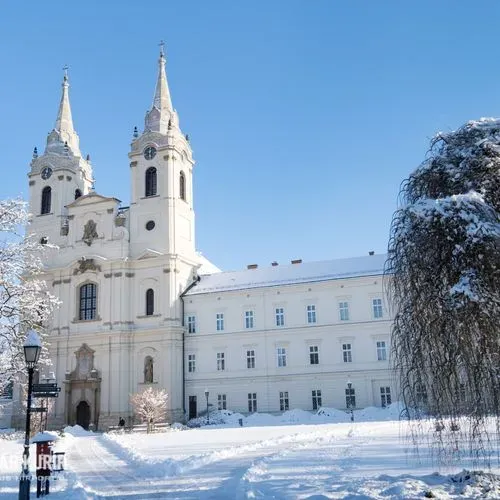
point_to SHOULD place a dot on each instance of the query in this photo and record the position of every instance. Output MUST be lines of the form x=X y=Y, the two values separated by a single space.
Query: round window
x=150 y=224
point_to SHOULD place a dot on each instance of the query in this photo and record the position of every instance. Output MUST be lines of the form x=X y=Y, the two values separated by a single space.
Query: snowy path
x=367 y=461
x=104 y=469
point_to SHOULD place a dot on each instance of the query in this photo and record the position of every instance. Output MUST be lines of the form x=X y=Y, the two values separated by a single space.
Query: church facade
x=140 y=307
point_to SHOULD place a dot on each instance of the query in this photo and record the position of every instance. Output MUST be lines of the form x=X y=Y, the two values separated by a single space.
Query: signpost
x=46 y=390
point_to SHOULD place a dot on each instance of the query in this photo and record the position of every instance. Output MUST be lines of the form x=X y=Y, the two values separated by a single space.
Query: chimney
x=252 y=266
x=274 y=263
x=296 y=261
x=371 y=252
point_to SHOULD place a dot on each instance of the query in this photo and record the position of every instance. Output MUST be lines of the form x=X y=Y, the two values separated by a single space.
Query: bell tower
x=59 y=175
x=161 y=163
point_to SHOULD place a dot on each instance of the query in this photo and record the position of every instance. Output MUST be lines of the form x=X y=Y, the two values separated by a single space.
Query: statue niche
x=148 y=370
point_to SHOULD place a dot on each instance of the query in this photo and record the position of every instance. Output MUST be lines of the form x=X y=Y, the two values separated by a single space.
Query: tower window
x=151 y=181
x=182 y=186
x=150 y=302
x=78 y=193
x=88 y=301
x=150 y=225
x=44 y=240
x=46 y=200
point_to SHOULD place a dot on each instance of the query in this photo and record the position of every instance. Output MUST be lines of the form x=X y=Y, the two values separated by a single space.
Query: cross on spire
x=162 y=48
x=65 y=69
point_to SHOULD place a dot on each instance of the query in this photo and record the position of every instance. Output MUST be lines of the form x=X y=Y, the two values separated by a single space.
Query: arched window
x=151 y=181
x=46 y=200
x=182 y=186
x=78 y=193
x=150 y=302
x=148 y=370
x=88 y=301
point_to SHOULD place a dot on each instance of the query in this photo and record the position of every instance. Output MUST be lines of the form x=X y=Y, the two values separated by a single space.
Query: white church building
x=141 y=307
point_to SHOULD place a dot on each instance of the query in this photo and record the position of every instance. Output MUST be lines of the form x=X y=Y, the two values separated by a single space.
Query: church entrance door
x=192 y=407
x=83 y=414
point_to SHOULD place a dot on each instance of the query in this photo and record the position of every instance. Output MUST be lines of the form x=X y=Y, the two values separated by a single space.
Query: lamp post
x=32 y=348
x=208 y=416
x=350 y=405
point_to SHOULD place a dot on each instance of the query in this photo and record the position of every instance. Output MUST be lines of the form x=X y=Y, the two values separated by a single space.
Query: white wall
x=366 y=373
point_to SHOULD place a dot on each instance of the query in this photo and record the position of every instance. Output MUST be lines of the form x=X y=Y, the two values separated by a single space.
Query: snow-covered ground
x=269 y=457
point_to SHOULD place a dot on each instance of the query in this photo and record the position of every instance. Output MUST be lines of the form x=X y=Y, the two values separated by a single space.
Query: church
x=141 y=307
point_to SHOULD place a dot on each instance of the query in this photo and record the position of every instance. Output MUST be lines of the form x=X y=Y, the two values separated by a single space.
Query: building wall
x=299 y=377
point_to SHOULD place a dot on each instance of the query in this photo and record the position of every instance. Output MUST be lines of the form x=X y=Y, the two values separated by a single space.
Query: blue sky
x=304 y=116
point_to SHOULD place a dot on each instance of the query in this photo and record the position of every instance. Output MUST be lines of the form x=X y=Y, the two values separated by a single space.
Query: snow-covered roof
x=43 y=437
x=372 y=265
x=207 y=267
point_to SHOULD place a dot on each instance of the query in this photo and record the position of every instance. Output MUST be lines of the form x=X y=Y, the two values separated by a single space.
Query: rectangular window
x=311 y=314
x=350 y=397
x=221 y=364
x=377 y=308
x=284 y=406
x=221 y=402
x=251 y=358
x=381 y=351
x=191 y=324
x=281 y=351
x=88 y=301
x=248 y=319
x=316 y=397
x=220 y=322
x=385 y=396
x=347 y=353
x=191 y=363
x=421 y=394
x=252 y=402
x=280 y=316
x=344 y=311
x=314 y=355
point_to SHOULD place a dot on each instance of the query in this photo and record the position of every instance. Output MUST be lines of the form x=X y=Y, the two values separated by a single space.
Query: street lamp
x=350 y=405
x=208 y=416
x=32 y=348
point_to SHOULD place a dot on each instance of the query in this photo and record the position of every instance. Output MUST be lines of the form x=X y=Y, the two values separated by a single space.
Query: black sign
x=46 y=388
x=45 y=394
x=38 y=410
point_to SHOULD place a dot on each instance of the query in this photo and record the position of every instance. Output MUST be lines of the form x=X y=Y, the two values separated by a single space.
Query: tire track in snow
x=339 y=461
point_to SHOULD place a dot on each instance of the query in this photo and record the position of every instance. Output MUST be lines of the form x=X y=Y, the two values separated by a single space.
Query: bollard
x=240 y=421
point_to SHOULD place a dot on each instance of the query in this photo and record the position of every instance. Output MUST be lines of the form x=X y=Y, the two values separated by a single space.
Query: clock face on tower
x=149 y=153
x=46 y=173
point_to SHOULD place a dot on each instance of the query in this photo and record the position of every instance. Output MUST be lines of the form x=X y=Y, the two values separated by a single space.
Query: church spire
x=162 y=110
x=162 y=99
x=63 y=137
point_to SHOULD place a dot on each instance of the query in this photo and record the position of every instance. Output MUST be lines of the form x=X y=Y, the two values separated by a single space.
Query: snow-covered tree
x=25 y=302
x=150 y=405
x=443 y=272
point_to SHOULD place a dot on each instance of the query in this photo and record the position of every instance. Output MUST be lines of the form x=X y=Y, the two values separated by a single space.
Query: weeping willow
x=443 y=282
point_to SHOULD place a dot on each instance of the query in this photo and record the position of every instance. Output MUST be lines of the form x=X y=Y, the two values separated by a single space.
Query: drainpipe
x=181 y=296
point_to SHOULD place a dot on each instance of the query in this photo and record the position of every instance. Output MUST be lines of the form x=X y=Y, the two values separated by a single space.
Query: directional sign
x=46 y=395
x=38 y=410
x=46 y=388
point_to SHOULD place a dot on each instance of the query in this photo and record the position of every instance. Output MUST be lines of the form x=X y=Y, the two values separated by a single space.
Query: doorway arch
x=83 y=414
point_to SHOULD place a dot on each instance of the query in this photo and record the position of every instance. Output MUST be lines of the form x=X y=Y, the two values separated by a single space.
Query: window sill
x=149 y=197
x=43 y=215
x=87 y=320
x=149 y=316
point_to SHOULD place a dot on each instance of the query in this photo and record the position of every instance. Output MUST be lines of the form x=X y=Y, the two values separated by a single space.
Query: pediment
x=149 y=254
x=91 y=199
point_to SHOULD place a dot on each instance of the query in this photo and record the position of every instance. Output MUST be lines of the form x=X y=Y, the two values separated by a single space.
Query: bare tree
x=150 y=406
x=25 y=301
x=443 y=278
